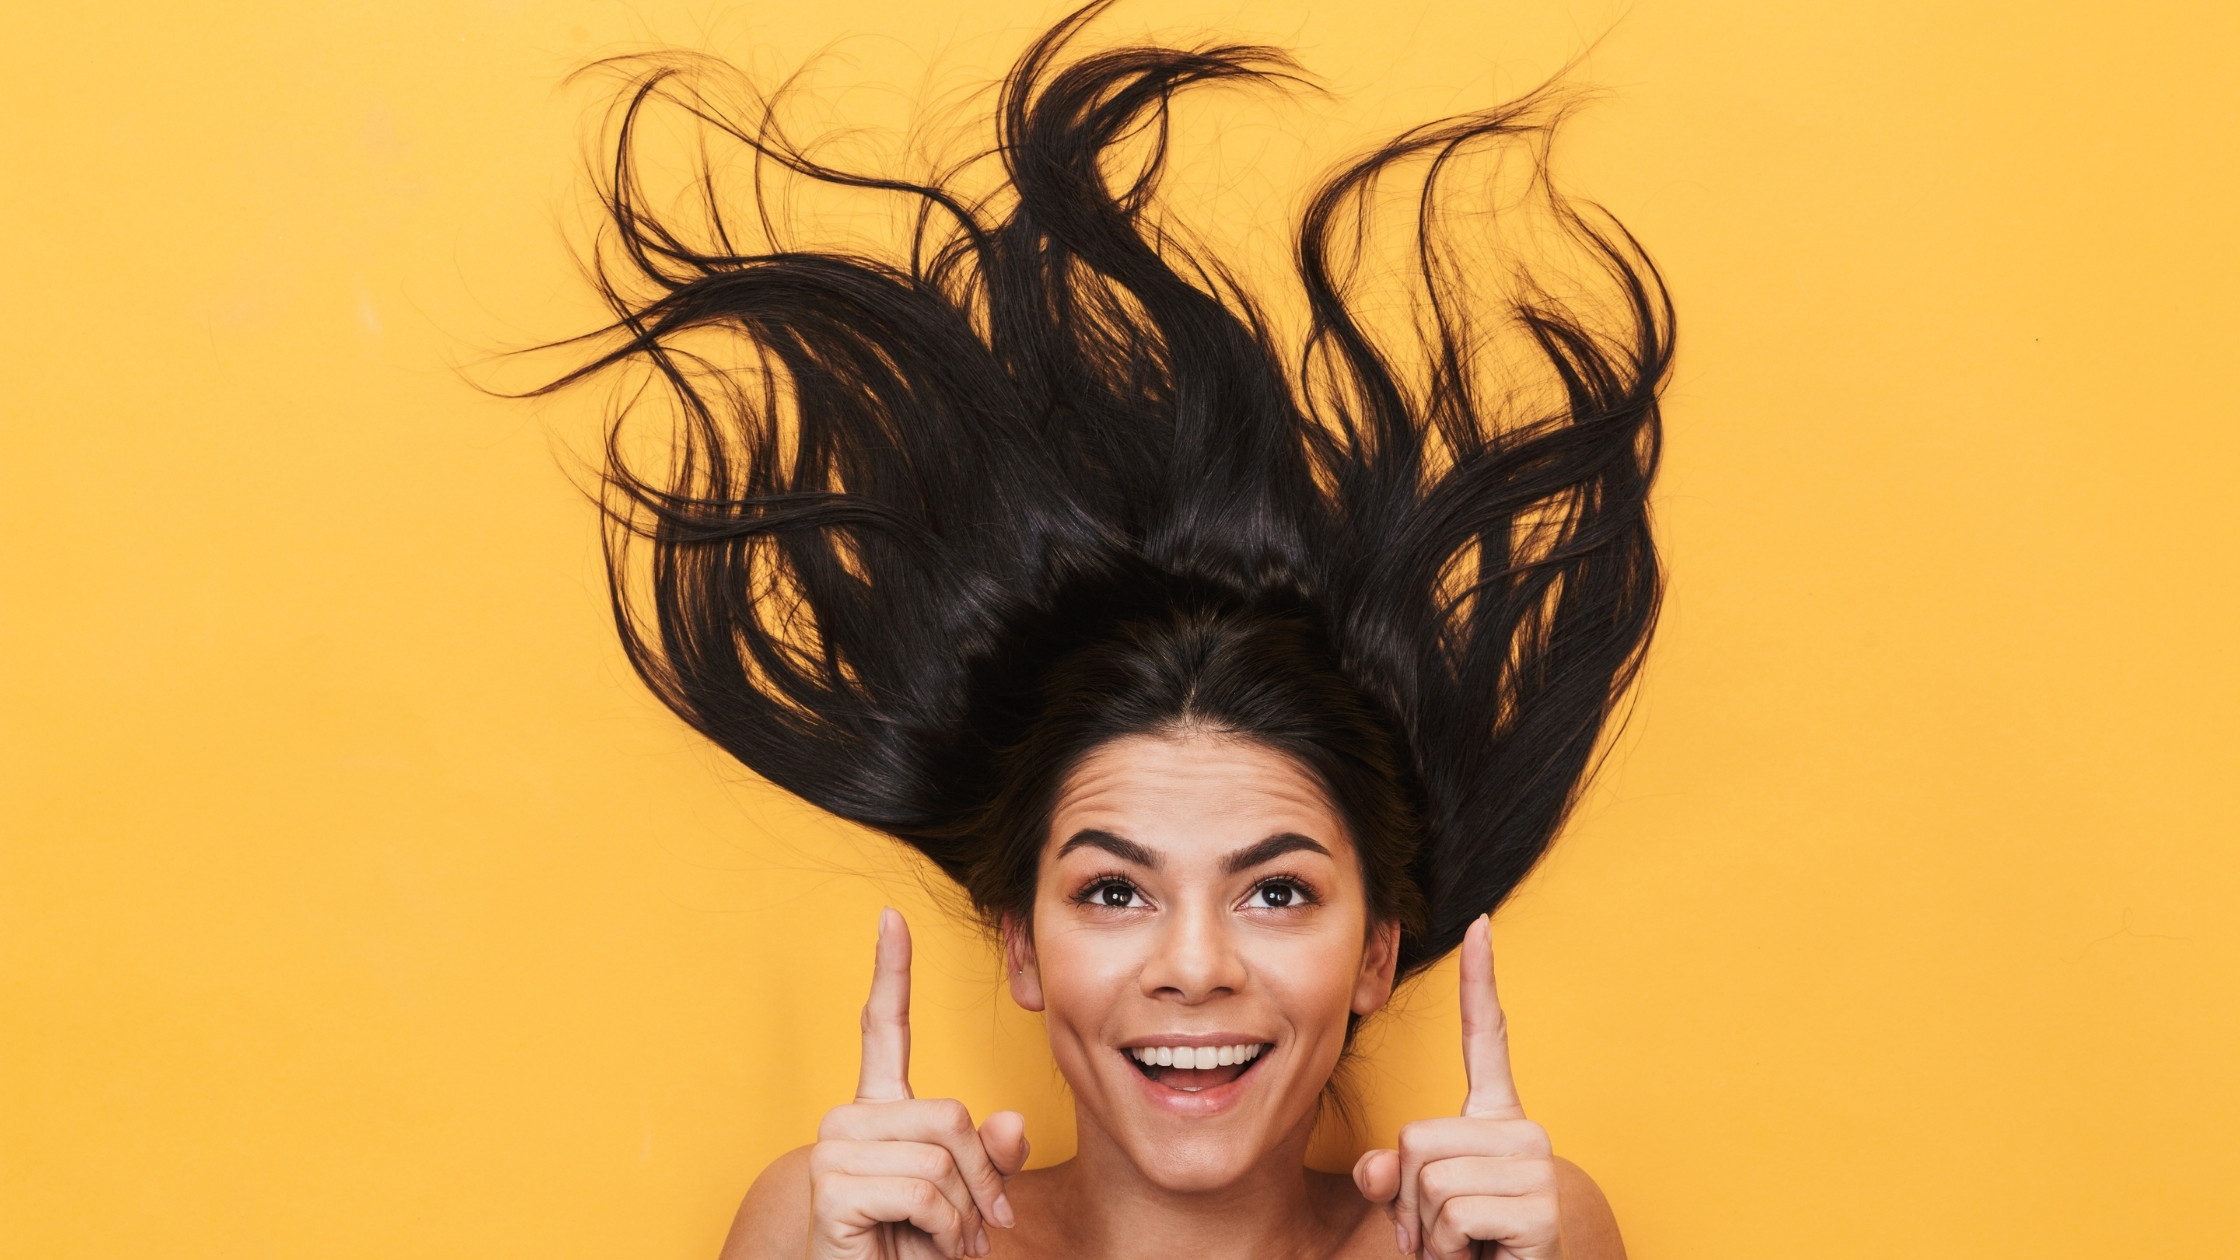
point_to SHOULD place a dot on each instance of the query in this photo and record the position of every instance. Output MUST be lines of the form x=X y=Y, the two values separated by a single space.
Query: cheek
x=1311 y=977
x=1084 y=974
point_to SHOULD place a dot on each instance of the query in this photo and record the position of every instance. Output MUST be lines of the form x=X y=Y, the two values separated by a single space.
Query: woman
x=1233 y=687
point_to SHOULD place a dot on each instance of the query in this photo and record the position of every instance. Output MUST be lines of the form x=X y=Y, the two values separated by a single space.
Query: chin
x=1194 y=1157
x=1196 y=1167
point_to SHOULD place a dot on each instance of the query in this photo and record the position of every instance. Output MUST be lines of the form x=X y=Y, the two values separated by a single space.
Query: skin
x=1195 y=889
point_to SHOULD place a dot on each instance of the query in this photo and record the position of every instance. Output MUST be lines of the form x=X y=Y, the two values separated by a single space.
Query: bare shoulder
x=773 y=1220
x=1590 y=1228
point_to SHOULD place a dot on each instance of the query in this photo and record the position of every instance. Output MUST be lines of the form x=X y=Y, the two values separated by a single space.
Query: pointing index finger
x=885 y=1076
x=1485 y=1032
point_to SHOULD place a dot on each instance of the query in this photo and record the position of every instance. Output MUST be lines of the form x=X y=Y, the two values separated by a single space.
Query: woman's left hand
x=1483 y=1184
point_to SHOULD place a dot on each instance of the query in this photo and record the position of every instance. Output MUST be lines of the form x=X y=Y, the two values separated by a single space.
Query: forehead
x=1200 y=791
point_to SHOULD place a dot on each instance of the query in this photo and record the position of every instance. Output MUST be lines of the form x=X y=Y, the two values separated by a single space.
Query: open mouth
x=1194 y=1068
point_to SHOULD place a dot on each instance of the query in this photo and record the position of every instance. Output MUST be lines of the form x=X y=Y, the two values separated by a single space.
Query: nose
x=1195 y=957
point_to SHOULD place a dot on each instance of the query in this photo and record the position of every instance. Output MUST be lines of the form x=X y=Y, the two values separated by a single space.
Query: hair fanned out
x=911 y=487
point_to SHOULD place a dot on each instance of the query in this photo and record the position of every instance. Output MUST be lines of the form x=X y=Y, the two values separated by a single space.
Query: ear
x=1379 y=959
x=1019 y=964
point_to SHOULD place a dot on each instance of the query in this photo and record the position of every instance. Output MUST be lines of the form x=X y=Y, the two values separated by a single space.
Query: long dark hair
x=940 y=524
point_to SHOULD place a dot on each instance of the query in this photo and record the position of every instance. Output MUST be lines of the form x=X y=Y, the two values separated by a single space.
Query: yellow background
x=356 y=901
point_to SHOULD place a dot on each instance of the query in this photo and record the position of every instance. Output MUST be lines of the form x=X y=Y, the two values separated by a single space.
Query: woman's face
x=1199 y=905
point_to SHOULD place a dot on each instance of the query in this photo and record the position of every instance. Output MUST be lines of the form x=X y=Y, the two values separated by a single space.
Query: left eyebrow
x=1270 y=849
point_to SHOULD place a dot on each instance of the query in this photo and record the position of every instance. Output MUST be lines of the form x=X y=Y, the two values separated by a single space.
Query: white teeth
x=1195 y=1057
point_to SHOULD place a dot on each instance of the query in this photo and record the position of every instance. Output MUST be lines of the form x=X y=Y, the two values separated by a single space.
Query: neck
x=1106 y=1208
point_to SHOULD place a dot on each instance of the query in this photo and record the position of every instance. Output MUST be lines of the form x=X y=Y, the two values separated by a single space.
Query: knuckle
x=1493 y=1023
x=1413 y=1135
x=953 y=1114
x=928 y=1163
x=983 y=1172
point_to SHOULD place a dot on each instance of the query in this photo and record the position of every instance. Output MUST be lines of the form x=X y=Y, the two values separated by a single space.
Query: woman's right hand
x=893 y=1177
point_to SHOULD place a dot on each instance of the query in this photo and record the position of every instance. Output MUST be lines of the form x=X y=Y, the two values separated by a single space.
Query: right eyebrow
x=1124 y=849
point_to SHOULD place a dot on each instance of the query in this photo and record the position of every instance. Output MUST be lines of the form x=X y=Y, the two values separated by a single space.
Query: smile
x=1192 y=1069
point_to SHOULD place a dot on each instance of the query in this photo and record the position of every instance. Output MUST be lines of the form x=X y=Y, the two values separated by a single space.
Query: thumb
x=1377 y=1175
x=1004 y=1136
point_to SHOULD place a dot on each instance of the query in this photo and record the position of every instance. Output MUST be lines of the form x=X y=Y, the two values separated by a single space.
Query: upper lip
x=1196 y=1039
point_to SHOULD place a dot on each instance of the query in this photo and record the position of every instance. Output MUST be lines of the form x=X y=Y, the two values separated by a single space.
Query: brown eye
x=1113 y=894
x=1276 y=895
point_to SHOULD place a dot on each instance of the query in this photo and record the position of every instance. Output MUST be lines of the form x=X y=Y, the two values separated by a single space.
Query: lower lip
x=1210 y=1101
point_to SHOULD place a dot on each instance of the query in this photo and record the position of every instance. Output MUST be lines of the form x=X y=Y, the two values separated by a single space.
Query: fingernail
x=1002 y=1213
x=1400 y=1236
x=980 y=1247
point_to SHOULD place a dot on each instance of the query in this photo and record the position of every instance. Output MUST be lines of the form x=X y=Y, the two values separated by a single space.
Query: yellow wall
x=355 y=901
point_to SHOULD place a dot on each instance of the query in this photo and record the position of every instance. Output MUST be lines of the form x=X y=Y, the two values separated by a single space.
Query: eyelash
x=1093 y=890
x=1302 y=893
